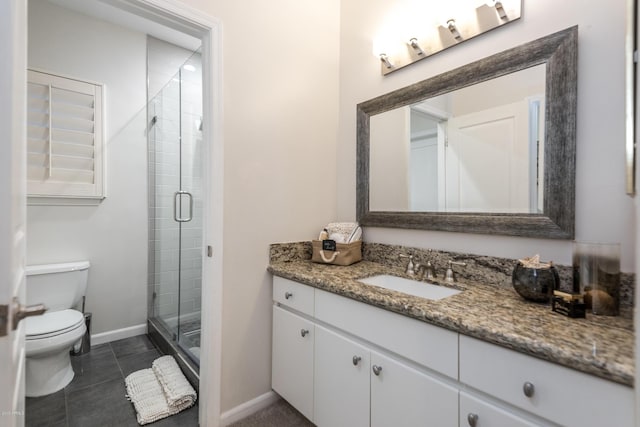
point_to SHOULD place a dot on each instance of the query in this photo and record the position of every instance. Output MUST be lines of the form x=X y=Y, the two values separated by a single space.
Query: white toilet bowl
x=48 y=340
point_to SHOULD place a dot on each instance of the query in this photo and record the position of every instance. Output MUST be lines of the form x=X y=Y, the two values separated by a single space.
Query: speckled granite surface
x=488 y=309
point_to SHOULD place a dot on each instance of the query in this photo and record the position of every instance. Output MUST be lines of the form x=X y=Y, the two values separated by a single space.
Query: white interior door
x=487 y=164
x=13 y=72
x=423 y=167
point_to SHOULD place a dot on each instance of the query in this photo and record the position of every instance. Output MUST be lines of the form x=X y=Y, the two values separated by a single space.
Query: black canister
x=535 y=283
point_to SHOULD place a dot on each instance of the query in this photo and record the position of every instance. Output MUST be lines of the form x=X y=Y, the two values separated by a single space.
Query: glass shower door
x=175 y=154
x=190 y=200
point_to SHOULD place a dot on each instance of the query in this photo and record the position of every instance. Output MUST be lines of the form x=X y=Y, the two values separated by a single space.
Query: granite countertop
x=598 y=345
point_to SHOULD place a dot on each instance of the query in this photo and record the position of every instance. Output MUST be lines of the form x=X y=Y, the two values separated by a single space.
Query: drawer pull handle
x=528 y=389
x=304 y=332
x=287 y=295
x=356 y=360
x=377 y=369
x=472 y=419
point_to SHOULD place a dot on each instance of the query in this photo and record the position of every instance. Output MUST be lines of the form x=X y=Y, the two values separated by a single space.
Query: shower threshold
x=158 y=334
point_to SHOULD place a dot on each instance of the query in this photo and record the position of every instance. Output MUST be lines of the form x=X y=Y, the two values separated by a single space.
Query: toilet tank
x=58 y=286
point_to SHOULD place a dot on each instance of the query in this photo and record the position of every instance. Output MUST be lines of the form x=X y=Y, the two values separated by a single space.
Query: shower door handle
x=177 y=198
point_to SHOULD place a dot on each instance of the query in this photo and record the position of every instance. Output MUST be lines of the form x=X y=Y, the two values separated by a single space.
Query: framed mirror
x=486 y=148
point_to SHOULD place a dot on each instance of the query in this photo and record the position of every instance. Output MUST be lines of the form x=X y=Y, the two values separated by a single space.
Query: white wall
x=280 y=83
x=389 y=165
x=603 y=211
x=112 y=235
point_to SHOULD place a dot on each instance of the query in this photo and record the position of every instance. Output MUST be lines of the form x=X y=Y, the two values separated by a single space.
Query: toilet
x=50 y=336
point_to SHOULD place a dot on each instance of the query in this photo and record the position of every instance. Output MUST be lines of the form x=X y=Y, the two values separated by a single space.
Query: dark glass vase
x=535 y=284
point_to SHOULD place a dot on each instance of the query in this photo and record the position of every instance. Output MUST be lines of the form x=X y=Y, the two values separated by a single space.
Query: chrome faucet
x=428 y=271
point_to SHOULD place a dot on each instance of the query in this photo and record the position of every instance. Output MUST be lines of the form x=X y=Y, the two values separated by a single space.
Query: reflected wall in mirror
x=475 y=149
x=485 y=148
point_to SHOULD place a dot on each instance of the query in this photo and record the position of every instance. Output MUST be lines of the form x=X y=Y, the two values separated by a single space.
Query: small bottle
x=324 y=235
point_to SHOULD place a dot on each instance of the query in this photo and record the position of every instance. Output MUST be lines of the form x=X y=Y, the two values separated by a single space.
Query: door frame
x=13 y=120
x=178 y=16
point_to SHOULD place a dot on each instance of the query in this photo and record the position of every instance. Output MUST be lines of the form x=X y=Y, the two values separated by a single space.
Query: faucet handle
x=450 y=275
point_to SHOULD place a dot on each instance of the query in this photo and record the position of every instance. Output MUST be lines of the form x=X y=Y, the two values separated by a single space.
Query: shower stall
x=174 y=134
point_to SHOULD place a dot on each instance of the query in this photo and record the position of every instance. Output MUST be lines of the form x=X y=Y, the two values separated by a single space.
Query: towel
x=344 y=232
x=176 y=388
x=149 y=394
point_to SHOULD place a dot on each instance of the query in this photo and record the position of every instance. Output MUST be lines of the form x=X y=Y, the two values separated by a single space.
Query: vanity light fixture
x=462 y=25
x=451 y=25
x=499 y=8
x=385 y=60
x=416 y=47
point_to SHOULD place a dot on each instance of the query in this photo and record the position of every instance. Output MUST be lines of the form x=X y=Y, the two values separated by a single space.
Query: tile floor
x=96 y=396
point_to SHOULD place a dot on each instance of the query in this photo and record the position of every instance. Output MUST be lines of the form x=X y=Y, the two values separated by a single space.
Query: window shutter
x=64 y=137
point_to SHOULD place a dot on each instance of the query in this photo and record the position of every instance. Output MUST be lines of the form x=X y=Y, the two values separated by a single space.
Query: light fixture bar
x=462 y=29
x=413 y=42
x=385 y=61
x=499 y=9
x=451 y=25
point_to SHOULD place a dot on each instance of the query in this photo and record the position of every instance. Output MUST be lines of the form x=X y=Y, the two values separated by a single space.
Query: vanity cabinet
x=341 y=362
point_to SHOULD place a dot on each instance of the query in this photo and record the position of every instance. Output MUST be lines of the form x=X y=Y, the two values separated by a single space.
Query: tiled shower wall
x=175 y=151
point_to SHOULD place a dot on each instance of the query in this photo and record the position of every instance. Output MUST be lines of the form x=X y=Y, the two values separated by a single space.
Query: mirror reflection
x=475 y=149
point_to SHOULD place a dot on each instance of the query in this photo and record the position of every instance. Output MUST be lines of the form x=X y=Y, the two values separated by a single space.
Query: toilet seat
x=52 y=324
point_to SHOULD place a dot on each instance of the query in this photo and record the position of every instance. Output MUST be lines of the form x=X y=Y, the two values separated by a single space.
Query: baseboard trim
x=118 y=334
x=248 y=408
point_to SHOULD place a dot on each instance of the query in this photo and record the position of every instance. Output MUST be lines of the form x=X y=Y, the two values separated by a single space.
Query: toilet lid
x=52 y=323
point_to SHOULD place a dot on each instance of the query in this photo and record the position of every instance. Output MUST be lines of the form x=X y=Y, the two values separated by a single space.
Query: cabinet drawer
x=293 y=294
x=428 y=345
x=487 y=415
x=565 y=396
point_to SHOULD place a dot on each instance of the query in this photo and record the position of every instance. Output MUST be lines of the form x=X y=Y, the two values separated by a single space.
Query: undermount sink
x=411 y=287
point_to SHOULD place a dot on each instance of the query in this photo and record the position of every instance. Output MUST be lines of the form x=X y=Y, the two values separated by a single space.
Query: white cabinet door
x=341 y=389
x=292 y=362
x=478 y=413
x=403 y=396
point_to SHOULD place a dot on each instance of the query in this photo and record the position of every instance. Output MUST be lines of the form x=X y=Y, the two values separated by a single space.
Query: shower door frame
x=176 y=15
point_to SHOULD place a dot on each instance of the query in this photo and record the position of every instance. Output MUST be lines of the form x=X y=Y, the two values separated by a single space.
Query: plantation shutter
x=64 y=137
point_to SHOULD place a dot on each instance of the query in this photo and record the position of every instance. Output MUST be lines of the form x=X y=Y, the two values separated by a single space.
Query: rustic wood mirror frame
x=559 y=52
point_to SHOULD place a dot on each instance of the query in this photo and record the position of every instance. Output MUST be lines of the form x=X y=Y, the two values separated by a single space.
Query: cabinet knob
x=287 y=295
x=304 y=332
x=528 y=389
x=356 y=360
x=377 y=369
x=472 y=419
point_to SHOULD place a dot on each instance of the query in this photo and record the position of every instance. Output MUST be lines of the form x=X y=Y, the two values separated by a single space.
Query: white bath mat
x=155 y=399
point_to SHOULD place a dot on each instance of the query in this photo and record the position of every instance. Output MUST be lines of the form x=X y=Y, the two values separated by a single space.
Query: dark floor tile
x=91 y=368
x=133 y=345
x=186 y=418
x=46 y=410
x=103 y=405
x=134 y=362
